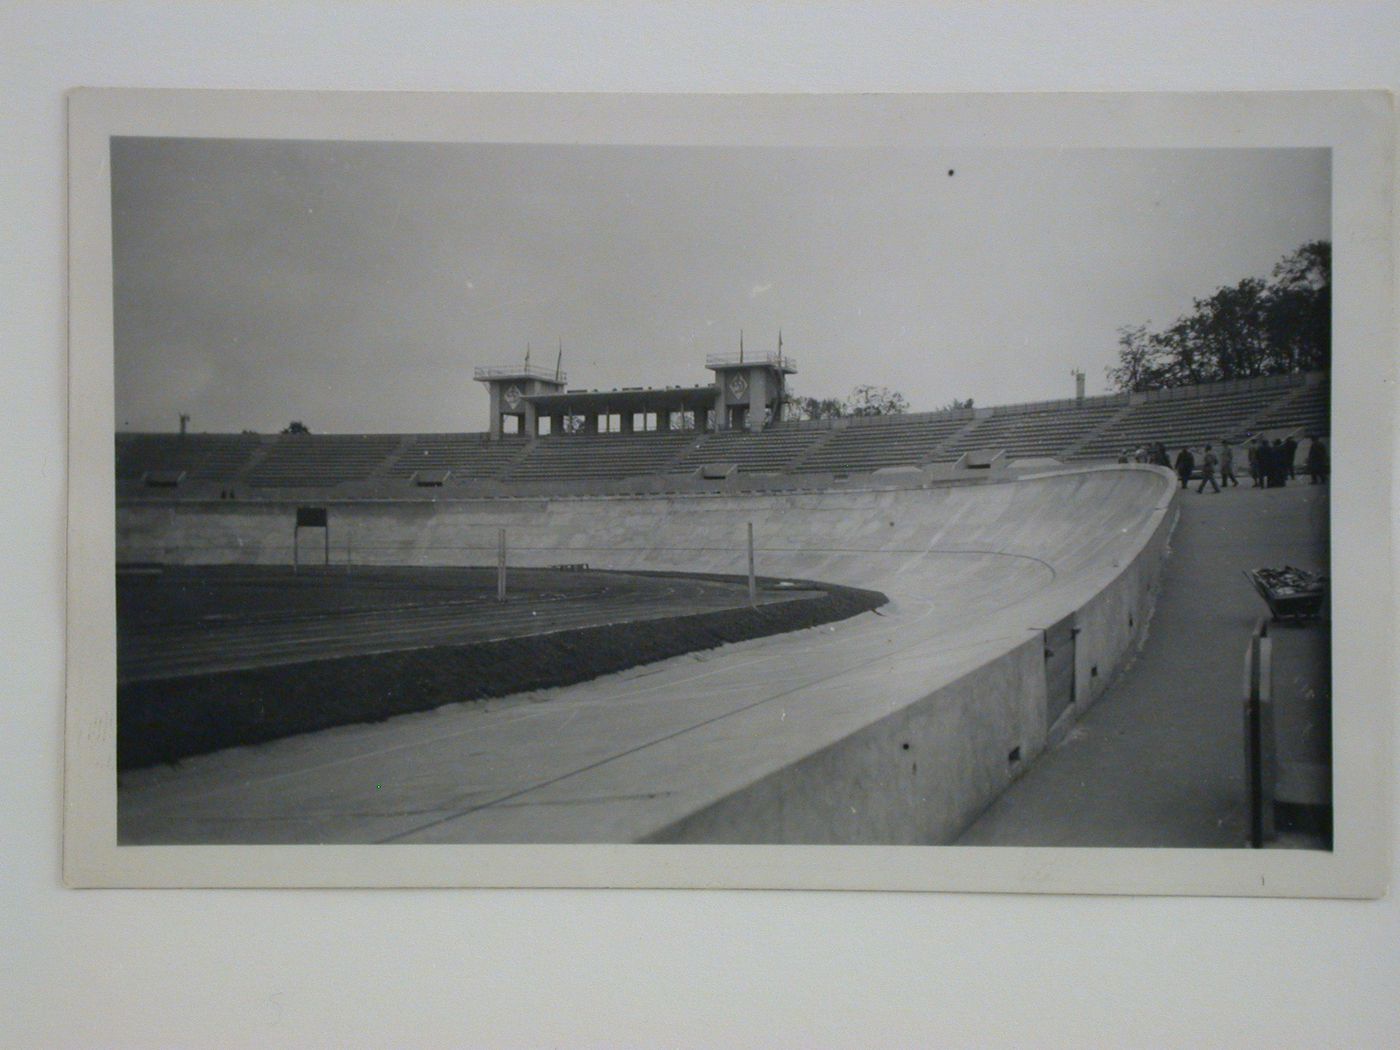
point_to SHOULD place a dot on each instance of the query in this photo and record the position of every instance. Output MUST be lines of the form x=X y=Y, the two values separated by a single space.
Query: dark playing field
x=183 y=620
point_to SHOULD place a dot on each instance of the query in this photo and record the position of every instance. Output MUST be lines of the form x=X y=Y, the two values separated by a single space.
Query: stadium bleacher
x=888 y=441
x=316 y=460
x=1307 y=410
x=765 y=451
x=1094 y=429
x=1208 y=417
x=201 y=457
x=566 y=457
x=1048 y=432
x=464 y=455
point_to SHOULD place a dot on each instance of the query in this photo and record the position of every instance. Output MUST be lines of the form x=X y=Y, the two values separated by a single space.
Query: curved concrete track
x=893 y=727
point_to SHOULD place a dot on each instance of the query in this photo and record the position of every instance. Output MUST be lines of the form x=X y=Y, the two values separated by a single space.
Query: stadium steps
x=941 y=452
x=1307 y=408
x=383 y=470
x=1046 y=432
x=823 y=438
x=1181 y=421
x=321 y=460
x=599 y=456
x=465 y=455
x=202 y=457
x=770 y=451
x=1072 y=451
x=892 y=442
x=254 y=461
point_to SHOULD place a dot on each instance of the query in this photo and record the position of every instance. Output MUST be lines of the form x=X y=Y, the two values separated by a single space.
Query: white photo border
x=1358 y=128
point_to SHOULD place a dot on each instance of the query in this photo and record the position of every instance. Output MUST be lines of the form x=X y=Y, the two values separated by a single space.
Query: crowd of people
x=1272 y=464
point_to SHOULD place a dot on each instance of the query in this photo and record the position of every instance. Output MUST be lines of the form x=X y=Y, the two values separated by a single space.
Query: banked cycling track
x=1012 y=605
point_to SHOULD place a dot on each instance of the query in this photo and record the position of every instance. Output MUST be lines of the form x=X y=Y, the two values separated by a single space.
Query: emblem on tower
x=512 y=395
x=738 y=386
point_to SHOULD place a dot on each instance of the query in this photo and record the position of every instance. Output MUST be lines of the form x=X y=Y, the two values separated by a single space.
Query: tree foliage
x=1254 y=328
x=869 y=400
x=864 y=400
x=296 y=426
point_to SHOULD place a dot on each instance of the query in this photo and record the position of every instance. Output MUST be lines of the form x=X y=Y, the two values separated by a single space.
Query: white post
x=501 y=567
x=753 y=586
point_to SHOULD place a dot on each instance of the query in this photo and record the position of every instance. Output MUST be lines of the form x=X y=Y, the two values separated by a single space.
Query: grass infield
x=164 y=720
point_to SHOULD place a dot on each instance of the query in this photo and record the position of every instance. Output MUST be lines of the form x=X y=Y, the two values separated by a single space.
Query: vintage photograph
x=601 y=490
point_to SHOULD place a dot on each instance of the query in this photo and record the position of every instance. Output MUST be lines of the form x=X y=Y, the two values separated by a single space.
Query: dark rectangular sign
x=311 y=517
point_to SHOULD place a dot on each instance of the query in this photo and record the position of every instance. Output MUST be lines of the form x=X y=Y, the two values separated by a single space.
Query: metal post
x=1260 y=759
x=349 y=550
x=501 y=566
x=1253 y=750
x=296 y=532
x=753 y=586
x=326 y=539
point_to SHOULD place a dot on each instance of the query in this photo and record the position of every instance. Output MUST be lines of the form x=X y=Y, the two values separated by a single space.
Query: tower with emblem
x=510 y=386
x=752 y=387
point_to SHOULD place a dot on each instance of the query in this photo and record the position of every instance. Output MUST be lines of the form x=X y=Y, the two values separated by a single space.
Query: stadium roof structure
x=638 y=399
x=486 y=373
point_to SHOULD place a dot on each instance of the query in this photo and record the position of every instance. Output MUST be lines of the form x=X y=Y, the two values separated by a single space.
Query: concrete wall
x=898 y=727
x=917 y=776
x=925 y=772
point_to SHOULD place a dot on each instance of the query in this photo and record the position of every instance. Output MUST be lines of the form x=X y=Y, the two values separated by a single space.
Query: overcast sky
x=354 y=286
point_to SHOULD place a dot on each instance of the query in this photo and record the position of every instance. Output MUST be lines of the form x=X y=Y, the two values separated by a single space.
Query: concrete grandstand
x=1081 y=430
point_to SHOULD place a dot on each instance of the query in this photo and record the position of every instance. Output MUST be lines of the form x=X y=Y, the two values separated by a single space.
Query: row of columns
x=528 y=421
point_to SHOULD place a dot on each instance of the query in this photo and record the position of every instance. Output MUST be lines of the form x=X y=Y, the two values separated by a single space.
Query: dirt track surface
x=202 y=619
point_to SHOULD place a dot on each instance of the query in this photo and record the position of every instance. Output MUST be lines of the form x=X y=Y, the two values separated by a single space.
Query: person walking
x=1185 y=465
x=1317 y=460
x=1266 y=463
x=1208 y=472
x=1278 y=465
x=1290 y=454
x=1256 y=464
x=1227 y=466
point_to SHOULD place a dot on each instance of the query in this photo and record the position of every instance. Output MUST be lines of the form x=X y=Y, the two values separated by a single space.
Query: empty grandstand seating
x=1307 y=410
x=889 y=441
x=313 y=460
x=465 y=455
x=1047 y=432
x=1094 y=429
x=766 y=450
x=1176 y=421
x=202 y=457
x=565 y=457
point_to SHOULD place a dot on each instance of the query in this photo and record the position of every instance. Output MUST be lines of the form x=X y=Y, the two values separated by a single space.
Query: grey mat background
x=129 y=968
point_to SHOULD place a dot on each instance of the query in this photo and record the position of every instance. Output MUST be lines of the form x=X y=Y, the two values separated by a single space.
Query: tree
x=867 y=400
x=955 y=404
x=1299 y=315
x=1253 y=328
x=1139 y=366
x=813 y=407
x=296 y=426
